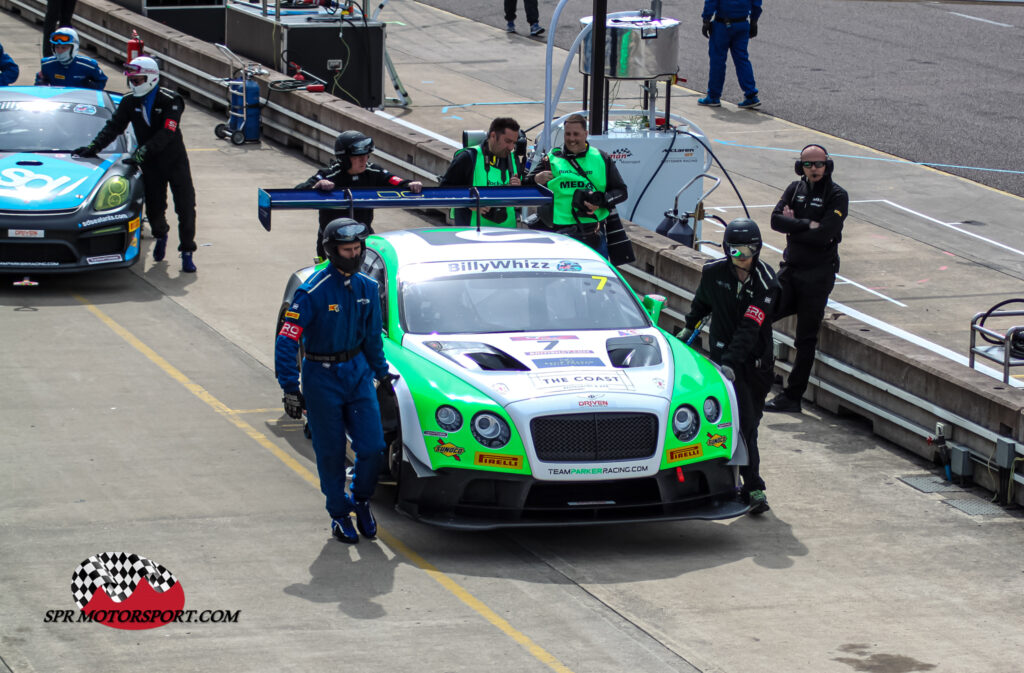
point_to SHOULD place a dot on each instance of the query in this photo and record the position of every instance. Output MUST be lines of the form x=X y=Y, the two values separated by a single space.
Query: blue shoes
x=364 y=518
x=708 y=101
x=536 y=30
x=343 y=531
x=160 y=249
x=187 y=265
x=750 y=103
x=510 y=27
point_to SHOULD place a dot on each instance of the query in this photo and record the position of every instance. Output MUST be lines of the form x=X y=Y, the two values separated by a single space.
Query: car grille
x=36 y=253
x=594 y=436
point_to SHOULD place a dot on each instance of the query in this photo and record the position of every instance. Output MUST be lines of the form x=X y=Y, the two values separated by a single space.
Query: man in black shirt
x=492 y=163
x=811 y=214
x=155 y=116
x=352 y=170
x=740 y=293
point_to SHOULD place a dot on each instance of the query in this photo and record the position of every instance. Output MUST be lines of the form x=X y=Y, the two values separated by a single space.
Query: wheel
x=238 y=137
x=221 y=131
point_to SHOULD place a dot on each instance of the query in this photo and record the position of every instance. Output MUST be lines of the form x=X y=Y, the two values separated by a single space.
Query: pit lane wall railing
x=921 y=401
x=300 y=119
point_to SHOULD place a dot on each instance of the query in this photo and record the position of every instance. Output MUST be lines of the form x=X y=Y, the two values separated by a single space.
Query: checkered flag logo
x=118 y=574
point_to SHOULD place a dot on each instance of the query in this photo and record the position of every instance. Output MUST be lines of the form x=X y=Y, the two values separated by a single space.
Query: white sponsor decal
x=618 y=469
x=103 y=259
x=25 y=233
x=102 y=219
x=574 y=381
x=27 y=184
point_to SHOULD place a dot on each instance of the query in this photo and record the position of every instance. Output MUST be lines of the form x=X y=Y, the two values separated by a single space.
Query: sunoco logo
x=131 y=592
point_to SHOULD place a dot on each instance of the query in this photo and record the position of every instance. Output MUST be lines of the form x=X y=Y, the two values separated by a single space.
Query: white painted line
x=976 y=18
x=842 y=279
x=419 y=129
x=951 y=225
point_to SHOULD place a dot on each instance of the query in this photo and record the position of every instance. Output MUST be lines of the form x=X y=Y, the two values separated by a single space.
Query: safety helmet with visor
x=742 y=239
x=143 y=74
x=65 y=37
x=340 y=231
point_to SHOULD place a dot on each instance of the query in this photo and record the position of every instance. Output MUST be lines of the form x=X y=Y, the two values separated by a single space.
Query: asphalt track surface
x=933 y=82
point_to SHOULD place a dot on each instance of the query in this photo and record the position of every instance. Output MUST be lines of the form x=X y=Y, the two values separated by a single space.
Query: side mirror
x=653 y=303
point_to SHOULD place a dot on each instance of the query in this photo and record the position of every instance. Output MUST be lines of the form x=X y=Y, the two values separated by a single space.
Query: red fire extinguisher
x=135 y=47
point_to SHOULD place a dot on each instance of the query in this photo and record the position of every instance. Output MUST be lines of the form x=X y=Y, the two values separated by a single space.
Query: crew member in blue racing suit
x=729 y=25
x=66 y=67
x=336 y=316
x=8 y=68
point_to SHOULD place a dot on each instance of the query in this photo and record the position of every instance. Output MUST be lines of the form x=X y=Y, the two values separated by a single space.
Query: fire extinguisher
x=135 y=47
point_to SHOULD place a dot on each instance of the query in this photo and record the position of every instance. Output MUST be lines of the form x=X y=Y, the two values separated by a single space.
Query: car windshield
x=51 y=126
x=518 y=302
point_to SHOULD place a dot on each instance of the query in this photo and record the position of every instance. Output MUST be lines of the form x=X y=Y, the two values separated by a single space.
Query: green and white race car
x=536 y=388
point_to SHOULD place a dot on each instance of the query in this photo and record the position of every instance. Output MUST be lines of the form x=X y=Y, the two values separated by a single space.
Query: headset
x=798 y=166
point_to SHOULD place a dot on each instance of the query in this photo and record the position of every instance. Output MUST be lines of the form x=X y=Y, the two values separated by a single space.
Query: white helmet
x=142 y=65
x=65 y=36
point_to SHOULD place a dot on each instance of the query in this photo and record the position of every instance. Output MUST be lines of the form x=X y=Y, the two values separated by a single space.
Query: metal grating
x=976 y=507
x=595 y=436
x=929 y=483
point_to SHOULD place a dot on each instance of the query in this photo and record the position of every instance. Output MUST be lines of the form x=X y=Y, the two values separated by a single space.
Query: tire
x=221 y=131
x=238 y=137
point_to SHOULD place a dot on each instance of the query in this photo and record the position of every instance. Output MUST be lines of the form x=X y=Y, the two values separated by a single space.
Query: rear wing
x=430 y=197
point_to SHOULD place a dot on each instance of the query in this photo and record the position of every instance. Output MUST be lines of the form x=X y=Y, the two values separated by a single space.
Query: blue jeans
x=341 y=398
x=730 y=39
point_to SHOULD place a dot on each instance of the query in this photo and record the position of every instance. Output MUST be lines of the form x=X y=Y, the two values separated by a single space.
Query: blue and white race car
x=59 y=213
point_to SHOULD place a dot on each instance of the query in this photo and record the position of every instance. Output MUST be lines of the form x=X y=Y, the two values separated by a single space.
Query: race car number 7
x=601 y=280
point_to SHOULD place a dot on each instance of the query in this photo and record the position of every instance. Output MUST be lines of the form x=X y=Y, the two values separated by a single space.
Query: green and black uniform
x=477 y=167
x=590 y=170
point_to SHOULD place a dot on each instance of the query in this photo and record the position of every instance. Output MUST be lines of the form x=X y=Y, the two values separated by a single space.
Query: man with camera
x=811 y=214
x=492 y=163
x=585 y=184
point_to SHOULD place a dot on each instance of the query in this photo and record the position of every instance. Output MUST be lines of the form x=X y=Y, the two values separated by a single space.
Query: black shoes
x=758 y=502
x=781 y=403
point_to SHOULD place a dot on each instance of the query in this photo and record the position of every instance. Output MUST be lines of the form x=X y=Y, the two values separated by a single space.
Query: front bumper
x=69 y=249
x=476 y=500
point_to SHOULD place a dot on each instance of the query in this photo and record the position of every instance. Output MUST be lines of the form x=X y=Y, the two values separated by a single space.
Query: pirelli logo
x=685 y=453
x=495 y=460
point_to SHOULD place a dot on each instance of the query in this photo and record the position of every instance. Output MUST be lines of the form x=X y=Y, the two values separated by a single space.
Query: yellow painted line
x=256 y=411
x=201 y=393
x=448 y=583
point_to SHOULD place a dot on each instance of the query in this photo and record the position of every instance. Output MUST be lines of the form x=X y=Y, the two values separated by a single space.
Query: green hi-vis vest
x=485 y=175
x=566 y=180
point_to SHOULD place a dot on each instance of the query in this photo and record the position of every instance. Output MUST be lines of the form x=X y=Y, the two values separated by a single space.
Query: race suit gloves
x=85 y=151
x=753 y=29
x=389 y=379
x=135 y=159
x=728 y=372
x=685 y=335
x=705 y=30
x=294 y=403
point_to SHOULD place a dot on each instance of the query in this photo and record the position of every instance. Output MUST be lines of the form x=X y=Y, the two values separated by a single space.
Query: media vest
x=485 y=175
x=566 y=180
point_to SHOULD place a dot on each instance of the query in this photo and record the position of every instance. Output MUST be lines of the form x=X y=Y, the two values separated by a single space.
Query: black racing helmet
x=742 y=239
x=352 y=144
x=345 y=230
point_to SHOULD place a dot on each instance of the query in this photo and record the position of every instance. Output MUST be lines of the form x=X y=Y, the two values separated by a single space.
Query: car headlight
x=448 y=418
x=685 y=423
x=490 y=430
x=712 y=410
x=114 y=193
